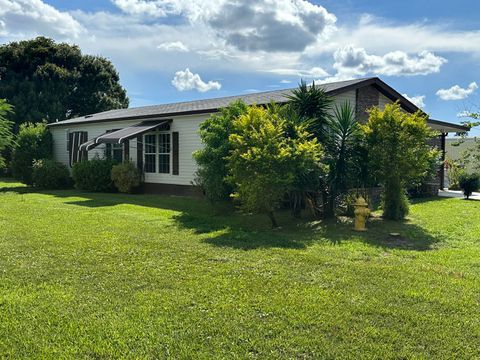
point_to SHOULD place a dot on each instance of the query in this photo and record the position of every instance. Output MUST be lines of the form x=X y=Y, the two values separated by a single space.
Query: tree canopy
x=45 y=80
x=399 y=154
x=6 y=135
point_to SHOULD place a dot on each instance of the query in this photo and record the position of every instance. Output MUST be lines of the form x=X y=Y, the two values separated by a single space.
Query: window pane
x=150 y=163
x=150 y=144
x=117 y=154
x=164 y=143
x=164 y=163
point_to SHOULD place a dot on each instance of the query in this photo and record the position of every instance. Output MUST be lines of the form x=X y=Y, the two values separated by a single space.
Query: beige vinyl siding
x=189 y=141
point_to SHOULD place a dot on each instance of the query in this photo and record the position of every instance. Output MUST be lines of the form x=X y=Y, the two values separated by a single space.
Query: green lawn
x=87 y=275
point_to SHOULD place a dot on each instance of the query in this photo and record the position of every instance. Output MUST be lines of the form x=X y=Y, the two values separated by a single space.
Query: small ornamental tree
x=6 y=136
x=264 y=160
x=399 y=154
x=469 y=183
x=33 y=142
x=212 y=159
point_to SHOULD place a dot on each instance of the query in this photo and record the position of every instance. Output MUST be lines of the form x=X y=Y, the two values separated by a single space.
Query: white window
x=150 y=150
x=157 y=152
x=164 y=153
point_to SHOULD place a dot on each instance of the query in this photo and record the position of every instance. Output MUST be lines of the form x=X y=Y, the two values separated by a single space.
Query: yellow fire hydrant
x=361 y=213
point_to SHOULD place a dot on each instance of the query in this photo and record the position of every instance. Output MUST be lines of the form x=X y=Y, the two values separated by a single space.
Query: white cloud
x=371 y=32
x=186 y=80
x=27 y=18
x=173 y=46
x=315 y=72
x=248 y=25
x=418 y=100
x=456 y=92
x=352 y=61
x=285 y=81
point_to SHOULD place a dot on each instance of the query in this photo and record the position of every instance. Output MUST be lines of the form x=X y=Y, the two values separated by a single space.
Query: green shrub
x=126 y=177
x=212 y=161
x=400 y=156
x=33 y=142
x=94 y=175
x=469 y=183
x=48 y=174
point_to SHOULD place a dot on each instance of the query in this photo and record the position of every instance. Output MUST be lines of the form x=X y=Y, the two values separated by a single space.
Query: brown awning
x=119 y=136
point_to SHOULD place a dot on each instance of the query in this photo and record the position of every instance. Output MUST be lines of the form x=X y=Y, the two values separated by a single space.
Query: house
x=160 y=139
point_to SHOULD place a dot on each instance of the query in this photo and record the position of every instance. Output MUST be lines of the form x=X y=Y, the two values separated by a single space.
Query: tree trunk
x=328 y=205
x=271 y=216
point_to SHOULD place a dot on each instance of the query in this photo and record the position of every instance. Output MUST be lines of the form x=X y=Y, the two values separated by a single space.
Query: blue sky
x=177 y=50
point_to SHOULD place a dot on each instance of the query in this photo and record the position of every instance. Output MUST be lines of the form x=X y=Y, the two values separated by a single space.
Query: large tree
x=45 y=80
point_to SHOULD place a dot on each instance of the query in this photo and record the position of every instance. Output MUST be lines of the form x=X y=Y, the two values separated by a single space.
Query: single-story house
x=160 y=139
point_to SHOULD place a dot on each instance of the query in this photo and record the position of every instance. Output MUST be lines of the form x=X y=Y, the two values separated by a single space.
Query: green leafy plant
x=6 y=136
x=454 y=171
x=342 y=140
x=212 y=161
x=33 y=142
x=469 y=183
x=94 y=175
x=126 y=177
x=399 y=154
x=264 y=161
x=48 y=174
x=312 y=106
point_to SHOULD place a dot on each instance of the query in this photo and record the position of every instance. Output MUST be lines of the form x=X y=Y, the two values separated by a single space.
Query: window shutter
x=140 y=153
x=175 y=152
x=75 y=139
x=70 y=148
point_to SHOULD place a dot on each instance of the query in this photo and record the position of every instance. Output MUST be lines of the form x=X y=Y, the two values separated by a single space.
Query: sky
x=180 y=50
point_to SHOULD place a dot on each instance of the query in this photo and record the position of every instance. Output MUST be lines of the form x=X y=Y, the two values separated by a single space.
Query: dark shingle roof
x=202 y=106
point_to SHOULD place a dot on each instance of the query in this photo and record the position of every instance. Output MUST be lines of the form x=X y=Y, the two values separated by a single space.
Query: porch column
x=442 y=168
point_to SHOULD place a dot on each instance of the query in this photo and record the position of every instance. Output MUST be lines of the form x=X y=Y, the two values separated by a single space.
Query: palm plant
x=343 y=137
x=312 y=105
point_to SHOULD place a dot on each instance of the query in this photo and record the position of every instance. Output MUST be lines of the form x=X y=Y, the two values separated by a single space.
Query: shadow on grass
x=223 y=227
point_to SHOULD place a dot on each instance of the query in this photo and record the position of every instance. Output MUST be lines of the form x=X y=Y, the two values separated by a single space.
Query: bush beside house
x=94 y=175
x=469 y=183
x=126 y=177
x=33 y=142
x=48 y=174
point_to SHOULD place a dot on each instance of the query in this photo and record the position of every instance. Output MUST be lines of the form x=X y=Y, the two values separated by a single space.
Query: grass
x=87 y=275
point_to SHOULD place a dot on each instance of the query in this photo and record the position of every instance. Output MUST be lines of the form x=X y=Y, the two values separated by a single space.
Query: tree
x=44 y=80
x=472 y=155
x=33 y=142
x=6 y=135
x=399 y=154
x=341 y=143
x=264 y=160
x=212 y=158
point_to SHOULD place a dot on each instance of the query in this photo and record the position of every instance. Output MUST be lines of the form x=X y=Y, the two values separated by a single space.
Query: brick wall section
x=366 y=97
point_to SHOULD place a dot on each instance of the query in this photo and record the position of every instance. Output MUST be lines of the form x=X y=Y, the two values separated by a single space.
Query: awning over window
x=119 y=136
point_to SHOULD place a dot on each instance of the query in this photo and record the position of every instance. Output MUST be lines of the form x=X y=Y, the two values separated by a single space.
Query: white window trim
x=157 y=157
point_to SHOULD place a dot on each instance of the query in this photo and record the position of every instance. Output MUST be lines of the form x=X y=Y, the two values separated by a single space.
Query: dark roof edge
x=452 y=125
x=140 y=117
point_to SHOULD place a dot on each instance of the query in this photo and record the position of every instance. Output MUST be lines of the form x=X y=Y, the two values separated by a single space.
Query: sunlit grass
x=142 y=276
